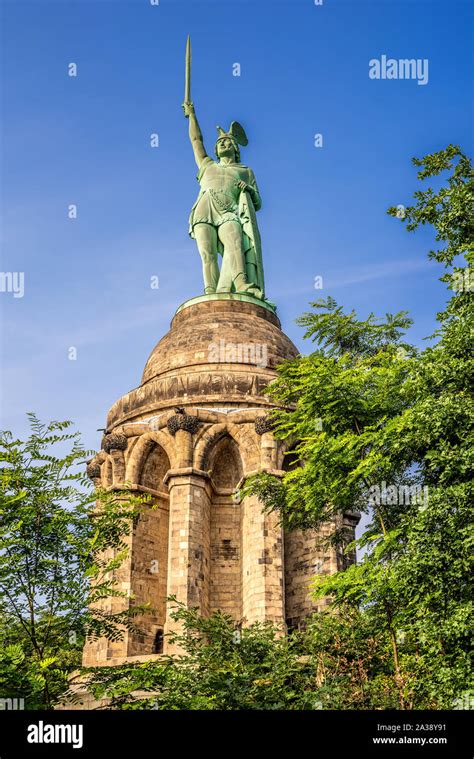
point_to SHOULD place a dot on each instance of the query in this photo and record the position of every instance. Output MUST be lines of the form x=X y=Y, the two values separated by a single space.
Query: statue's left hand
x=243 y=186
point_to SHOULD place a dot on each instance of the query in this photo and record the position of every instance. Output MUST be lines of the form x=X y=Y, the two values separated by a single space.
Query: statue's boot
x=242 y=286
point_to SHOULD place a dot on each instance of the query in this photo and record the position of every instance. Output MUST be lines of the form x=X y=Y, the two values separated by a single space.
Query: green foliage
x=220 y=667
x=334 y=404
x=340 y=661
x=57 y=550
x=366 y=409
x=450 y=211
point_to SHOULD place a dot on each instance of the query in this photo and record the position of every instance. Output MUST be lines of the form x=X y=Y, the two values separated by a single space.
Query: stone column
x=103 y=650
x=189 y=542
x=269 y=451
x=263 y=590
x=263 y=595
x=184 y=448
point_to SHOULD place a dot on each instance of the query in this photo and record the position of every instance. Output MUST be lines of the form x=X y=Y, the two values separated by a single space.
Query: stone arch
x=147 y=467
x=242 y=434
x=225 y=463
x=154 y=466
x=141 y=451
x=225 y=526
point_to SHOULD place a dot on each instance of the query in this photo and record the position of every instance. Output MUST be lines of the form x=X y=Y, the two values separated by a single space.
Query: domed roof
x=223 y=332
x=218 y=352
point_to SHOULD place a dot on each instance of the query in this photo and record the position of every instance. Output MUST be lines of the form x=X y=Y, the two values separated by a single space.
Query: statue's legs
x=233 y=268
x=206 y=238
x=225 y=279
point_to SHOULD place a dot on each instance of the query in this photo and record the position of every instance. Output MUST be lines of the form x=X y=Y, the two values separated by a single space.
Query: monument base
x=188 y=436
x=235 y=297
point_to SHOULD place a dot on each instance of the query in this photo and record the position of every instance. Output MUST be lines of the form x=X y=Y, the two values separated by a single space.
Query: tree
x=53 y=568
x=392 y=414
x=220 y=667
x=338 y=662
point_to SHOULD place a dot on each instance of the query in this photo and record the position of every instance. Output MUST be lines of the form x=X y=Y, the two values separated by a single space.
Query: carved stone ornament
x=263 y=424
x=93 y=470
x=114 y=442
x=183 y=422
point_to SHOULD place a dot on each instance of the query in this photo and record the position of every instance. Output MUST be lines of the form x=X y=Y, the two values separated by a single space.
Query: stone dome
x=217 y=348
x=203 y=332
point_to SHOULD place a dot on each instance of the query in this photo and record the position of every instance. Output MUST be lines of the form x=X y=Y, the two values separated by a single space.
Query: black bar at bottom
x=120 y=734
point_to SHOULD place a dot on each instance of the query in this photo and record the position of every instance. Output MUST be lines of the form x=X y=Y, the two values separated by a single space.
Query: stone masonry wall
x=226 y=557
x=201 y=543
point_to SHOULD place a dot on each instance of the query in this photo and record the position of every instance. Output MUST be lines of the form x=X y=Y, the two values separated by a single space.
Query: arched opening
x=290 y=460
x=150 y=552
x=154 y=468
x=158 y=642
x=225 y=586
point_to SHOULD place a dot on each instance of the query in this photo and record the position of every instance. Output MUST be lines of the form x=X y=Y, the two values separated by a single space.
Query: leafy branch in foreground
x=387 y=429
x=59 y=544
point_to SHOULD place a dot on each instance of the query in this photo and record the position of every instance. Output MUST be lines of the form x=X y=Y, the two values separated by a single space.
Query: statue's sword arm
x=195 y=136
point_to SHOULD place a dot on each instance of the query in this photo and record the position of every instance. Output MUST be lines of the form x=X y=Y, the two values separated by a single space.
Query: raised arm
x=195 y=134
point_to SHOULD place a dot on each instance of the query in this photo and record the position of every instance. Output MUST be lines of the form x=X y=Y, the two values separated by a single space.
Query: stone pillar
x=263 y=595
x=269 y=451
x=189 y=542
x=118 y=467
x=304 y=559
x=263 y=590
x=102 y=650
x=115 y=443
x=184 y=448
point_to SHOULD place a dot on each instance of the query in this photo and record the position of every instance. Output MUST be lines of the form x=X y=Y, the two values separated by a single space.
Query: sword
x=187 y=81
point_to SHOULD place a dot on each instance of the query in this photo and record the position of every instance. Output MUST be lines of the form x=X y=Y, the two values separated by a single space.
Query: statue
x=223 y=220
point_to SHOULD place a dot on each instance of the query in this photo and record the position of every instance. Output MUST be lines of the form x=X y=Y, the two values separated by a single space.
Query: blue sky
x=86 y=141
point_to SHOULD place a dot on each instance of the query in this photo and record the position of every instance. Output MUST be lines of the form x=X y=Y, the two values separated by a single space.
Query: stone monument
x=198 y=425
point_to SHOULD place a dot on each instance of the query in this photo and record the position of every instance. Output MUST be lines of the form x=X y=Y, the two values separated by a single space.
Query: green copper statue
x=223 y=217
